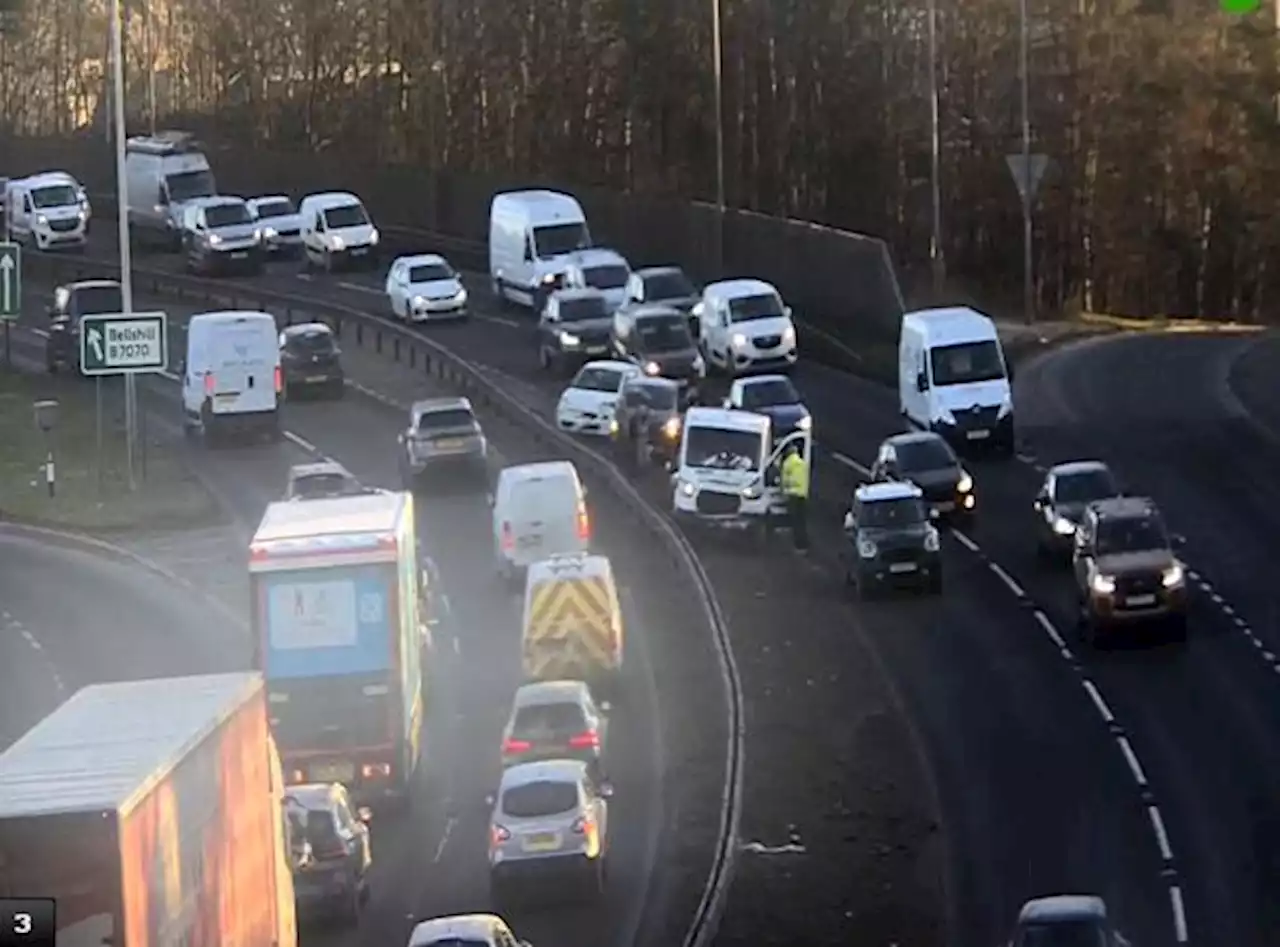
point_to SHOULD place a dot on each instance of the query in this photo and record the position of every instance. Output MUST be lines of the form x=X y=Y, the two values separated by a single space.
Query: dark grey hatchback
x=929 y=462
x=891 y=541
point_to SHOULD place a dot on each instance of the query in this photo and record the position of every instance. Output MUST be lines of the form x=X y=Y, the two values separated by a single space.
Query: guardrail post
x=360 y=334
x=377 y=342
x=395 y=348
x=413 y=356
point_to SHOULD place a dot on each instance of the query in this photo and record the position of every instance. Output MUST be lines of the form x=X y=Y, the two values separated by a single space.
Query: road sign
x=119 y=344
x=1028 y=174
x=10 y=282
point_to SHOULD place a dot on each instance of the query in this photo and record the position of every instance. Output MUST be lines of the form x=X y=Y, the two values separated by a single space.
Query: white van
x=744 y=326
x=48 y=211
x=531 y=237
x=231 y=378
x=539 y=510
x=162 y=173
x=953 y=378
x=337 y=231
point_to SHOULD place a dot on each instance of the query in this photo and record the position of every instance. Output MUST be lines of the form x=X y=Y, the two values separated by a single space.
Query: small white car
x=744 y=326
x=605 y=270
x=425 y=288
x=587 y=406
x=475 y=930
x=279 y=223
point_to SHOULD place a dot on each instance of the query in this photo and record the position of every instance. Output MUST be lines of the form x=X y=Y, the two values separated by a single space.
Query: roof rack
x=168 y=142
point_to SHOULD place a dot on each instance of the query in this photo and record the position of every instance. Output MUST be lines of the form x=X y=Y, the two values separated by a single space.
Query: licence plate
x=978 y=435
x=240 y=255
x=546 y=842
x=359 y=251
x=900 y=567
x=226 y=398
x=332 y=772
x=317 y=378
x=1138 y=601
x=945 y=507
x=448 y=445
x=595 y=349
x=527 y=541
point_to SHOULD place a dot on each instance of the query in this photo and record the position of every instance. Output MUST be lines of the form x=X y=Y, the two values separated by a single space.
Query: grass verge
x=91 y=488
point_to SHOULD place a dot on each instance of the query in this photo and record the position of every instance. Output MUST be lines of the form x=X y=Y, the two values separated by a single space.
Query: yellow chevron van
x=573 y=622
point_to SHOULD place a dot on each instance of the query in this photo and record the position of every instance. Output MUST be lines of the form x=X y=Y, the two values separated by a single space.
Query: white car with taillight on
x=550 y=818
x=587 y=406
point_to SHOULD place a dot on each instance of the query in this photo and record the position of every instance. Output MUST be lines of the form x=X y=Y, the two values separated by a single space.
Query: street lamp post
x=122 y=222
x=1024 y=73
x=718 y=71
x=937 y=258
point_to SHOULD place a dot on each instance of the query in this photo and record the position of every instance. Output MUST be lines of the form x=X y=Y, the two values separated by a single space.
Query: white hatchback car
x=425 y=288
x=587 y=406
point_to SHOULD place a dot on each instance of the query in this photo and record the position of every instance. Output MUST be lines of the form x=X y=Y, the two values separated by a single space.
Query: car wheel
x=328 y=262
x=544 y=358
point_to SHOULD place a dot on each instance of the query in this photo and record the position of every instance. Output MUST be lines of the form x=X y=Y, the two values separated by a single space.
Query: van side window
x=318 y=223
x=528 y=248
x=26 y=203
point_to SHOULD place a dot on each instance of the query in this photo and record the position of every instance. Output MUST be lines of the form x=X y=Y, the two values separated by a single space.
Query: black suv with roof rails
x=1126 y=572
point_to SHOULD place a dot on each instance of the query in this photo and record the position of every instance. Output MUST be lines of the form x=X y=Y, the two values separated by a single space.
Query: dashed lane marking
x=1162 y=837
x=302 y=442
x=1179 y=914
x=1096 y=696
x=1130 y=757
x=1007 y=579
x=13 y=625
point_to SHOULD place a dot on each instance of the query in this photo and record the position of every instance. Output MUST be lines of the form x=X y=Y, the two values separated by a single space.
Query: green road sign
x=119 y=344
x=10 y=282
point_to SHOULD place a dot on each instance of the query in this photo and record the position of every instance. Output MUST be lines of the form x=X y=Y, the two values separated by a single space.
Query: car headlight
x=686 y=488
x=1173 y=576
x=867 y=549
x=419 y=301
x=460 y=297
x=671 y=428
x=84 y=214
x=257 y=236
x=652 y=368
x=374 y=237
x=214 y=240
x=569 y=340
x=42 y=220
x=699 y=365
x=270 y=233
x=1064 y=527
x=1102 y=584
x=548 y=279
x=613 y=426
x=339 y=243
x=931 y=541
x=789 y=336
x=965 y=485
x=805 y=423
x=752 y=492
x=739 y=340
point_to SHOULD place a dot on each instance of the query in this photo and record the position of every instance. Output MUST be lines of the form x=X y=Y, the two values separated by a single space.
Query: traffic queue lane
x=990 y=887
x=437 y=864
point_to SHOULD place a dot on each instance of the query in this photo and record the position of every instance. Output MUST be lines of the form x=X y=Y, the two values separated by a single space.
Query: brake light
x=208 y=383
x=279 y=380
x=587 y=740
x=512 y=745
x=497 y=835
x=581 y=824
x=584 y=524
x=508 y=539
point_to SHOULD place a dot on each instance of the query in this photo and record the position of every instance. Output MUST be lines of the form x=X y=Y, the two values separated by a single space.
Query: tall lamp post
x=718 y=72
x=937 y=257
x=122 y=222
x=1024 y=75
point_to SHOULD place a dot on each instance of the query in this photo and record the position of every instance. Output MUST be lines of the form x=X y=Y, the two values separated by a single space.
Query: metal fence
x=840 y=284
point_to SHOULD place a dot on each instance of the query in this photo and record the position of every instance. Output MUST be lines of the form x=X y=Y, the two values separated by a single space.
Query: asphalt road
x=1035 y=794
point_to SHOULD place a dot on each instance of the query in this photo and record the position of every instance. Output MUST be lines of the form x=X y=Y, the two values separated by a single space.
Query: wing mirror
x=786 y=311
x=922 y=382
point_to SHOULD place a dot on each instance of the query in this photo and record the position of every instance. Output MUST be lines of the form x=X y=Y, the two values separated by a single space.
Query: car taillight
x=209 y=382
x=581 y=824
x=512 y=745
x=584 y=525
x=279 y=380
x=497 y=835
x=508 y=539
x=587 y=740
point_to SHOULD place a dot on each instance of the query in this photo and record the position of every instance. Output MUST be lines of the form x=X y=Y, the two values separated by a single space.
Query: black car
x=1067 y=490
x=648 y=416
x=329 y=849
x=928 y=461
x=311 y=361
x=71 y=301
x=665 y=285
x=774 y=396
x=574 y=328
x=657 y=338
x=891 y=540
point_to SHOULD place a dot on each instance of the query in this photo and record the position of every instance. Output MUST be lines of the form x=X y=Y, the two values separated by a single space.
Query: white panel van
x=539 y=510
x=532 y=235
x=231 y=378
x=953 y=378
x=162 y=173
x=48 y=211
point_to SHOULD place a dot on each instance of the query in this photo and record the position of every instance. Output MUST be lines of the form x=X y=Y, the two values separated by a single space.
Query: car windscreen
x=1130 y=534
x=322 y=485
x=96 y=299
x=663 y=334
x=549 y=720
x=931 y=454
x=598 y=379
x=187 y=185
x=544 y=797
x=348 y=215
x=559 y=239
x=673 y=285
x=764 y=394
x=280 y=208
x=448 y=420
x=1084 y=487
x=659 y=397
x=313 y=343
x=722 y=448
x=224 y=215
x=55 y=195
x=456 y=942
x=430 y=273
x=580 y=310
x=609 y=276
x=1081 y=933
x=966 y=363
x=762 y=306
x=892 y=514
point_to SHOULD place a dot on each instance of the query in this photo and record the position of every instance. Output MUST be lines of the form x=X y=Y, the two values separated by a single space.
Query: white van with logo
x=539 y=510
x=337 y=231
x=231 y=377
x=163 y=172
x=953 y=378
x=532 y=236
x=48 y=211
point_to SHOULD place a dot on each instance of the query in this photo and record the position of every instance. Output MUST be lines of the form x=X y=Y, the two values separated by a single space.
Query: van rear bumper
x=244 y=422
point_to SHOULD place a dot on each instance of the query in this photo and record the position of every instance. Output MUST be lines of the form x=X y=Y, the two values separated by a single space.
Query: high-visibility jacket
x=795 y=476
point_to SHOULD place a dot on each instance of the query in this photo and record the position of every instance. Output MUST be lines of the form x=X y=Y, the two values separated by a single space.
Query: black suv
x=891 y=541
x=1125 y=570
x=329 y=850
x=648 y=416
x=311 y=361
x=71 y=301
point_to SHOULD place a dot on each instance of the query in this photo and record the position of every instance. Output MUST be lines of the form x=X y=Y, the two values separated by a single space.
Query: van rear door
x=544 y=518
x=243 y=360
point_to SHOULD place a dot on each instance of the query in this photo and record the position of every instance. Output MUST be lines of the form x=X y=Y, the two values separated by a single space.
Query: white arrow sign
x=6 y=282
x=95 y=340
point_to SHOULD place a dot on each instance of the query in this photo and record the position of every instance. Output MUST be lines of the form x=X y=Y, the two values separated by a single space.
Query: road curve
x=981 y=727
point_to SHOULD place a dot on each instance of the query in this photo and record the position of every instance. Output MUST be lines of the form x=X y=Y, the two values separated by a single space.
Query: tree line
x=1160 y=118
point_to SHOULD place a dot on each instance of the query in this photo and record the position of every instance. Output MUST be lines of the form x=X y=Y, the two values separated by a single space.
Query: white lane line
x=850 y=463
x=444 y=839
x=1179 y=914
x=1162 y=837
x=509 y=323
x=1096 y=697
x=1007 y=579
x=302 y=442
x=360 y=288
x=1050 y=629
x=1131 y=758
x=34 y=643
x=965 y=541
x=303 y=276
